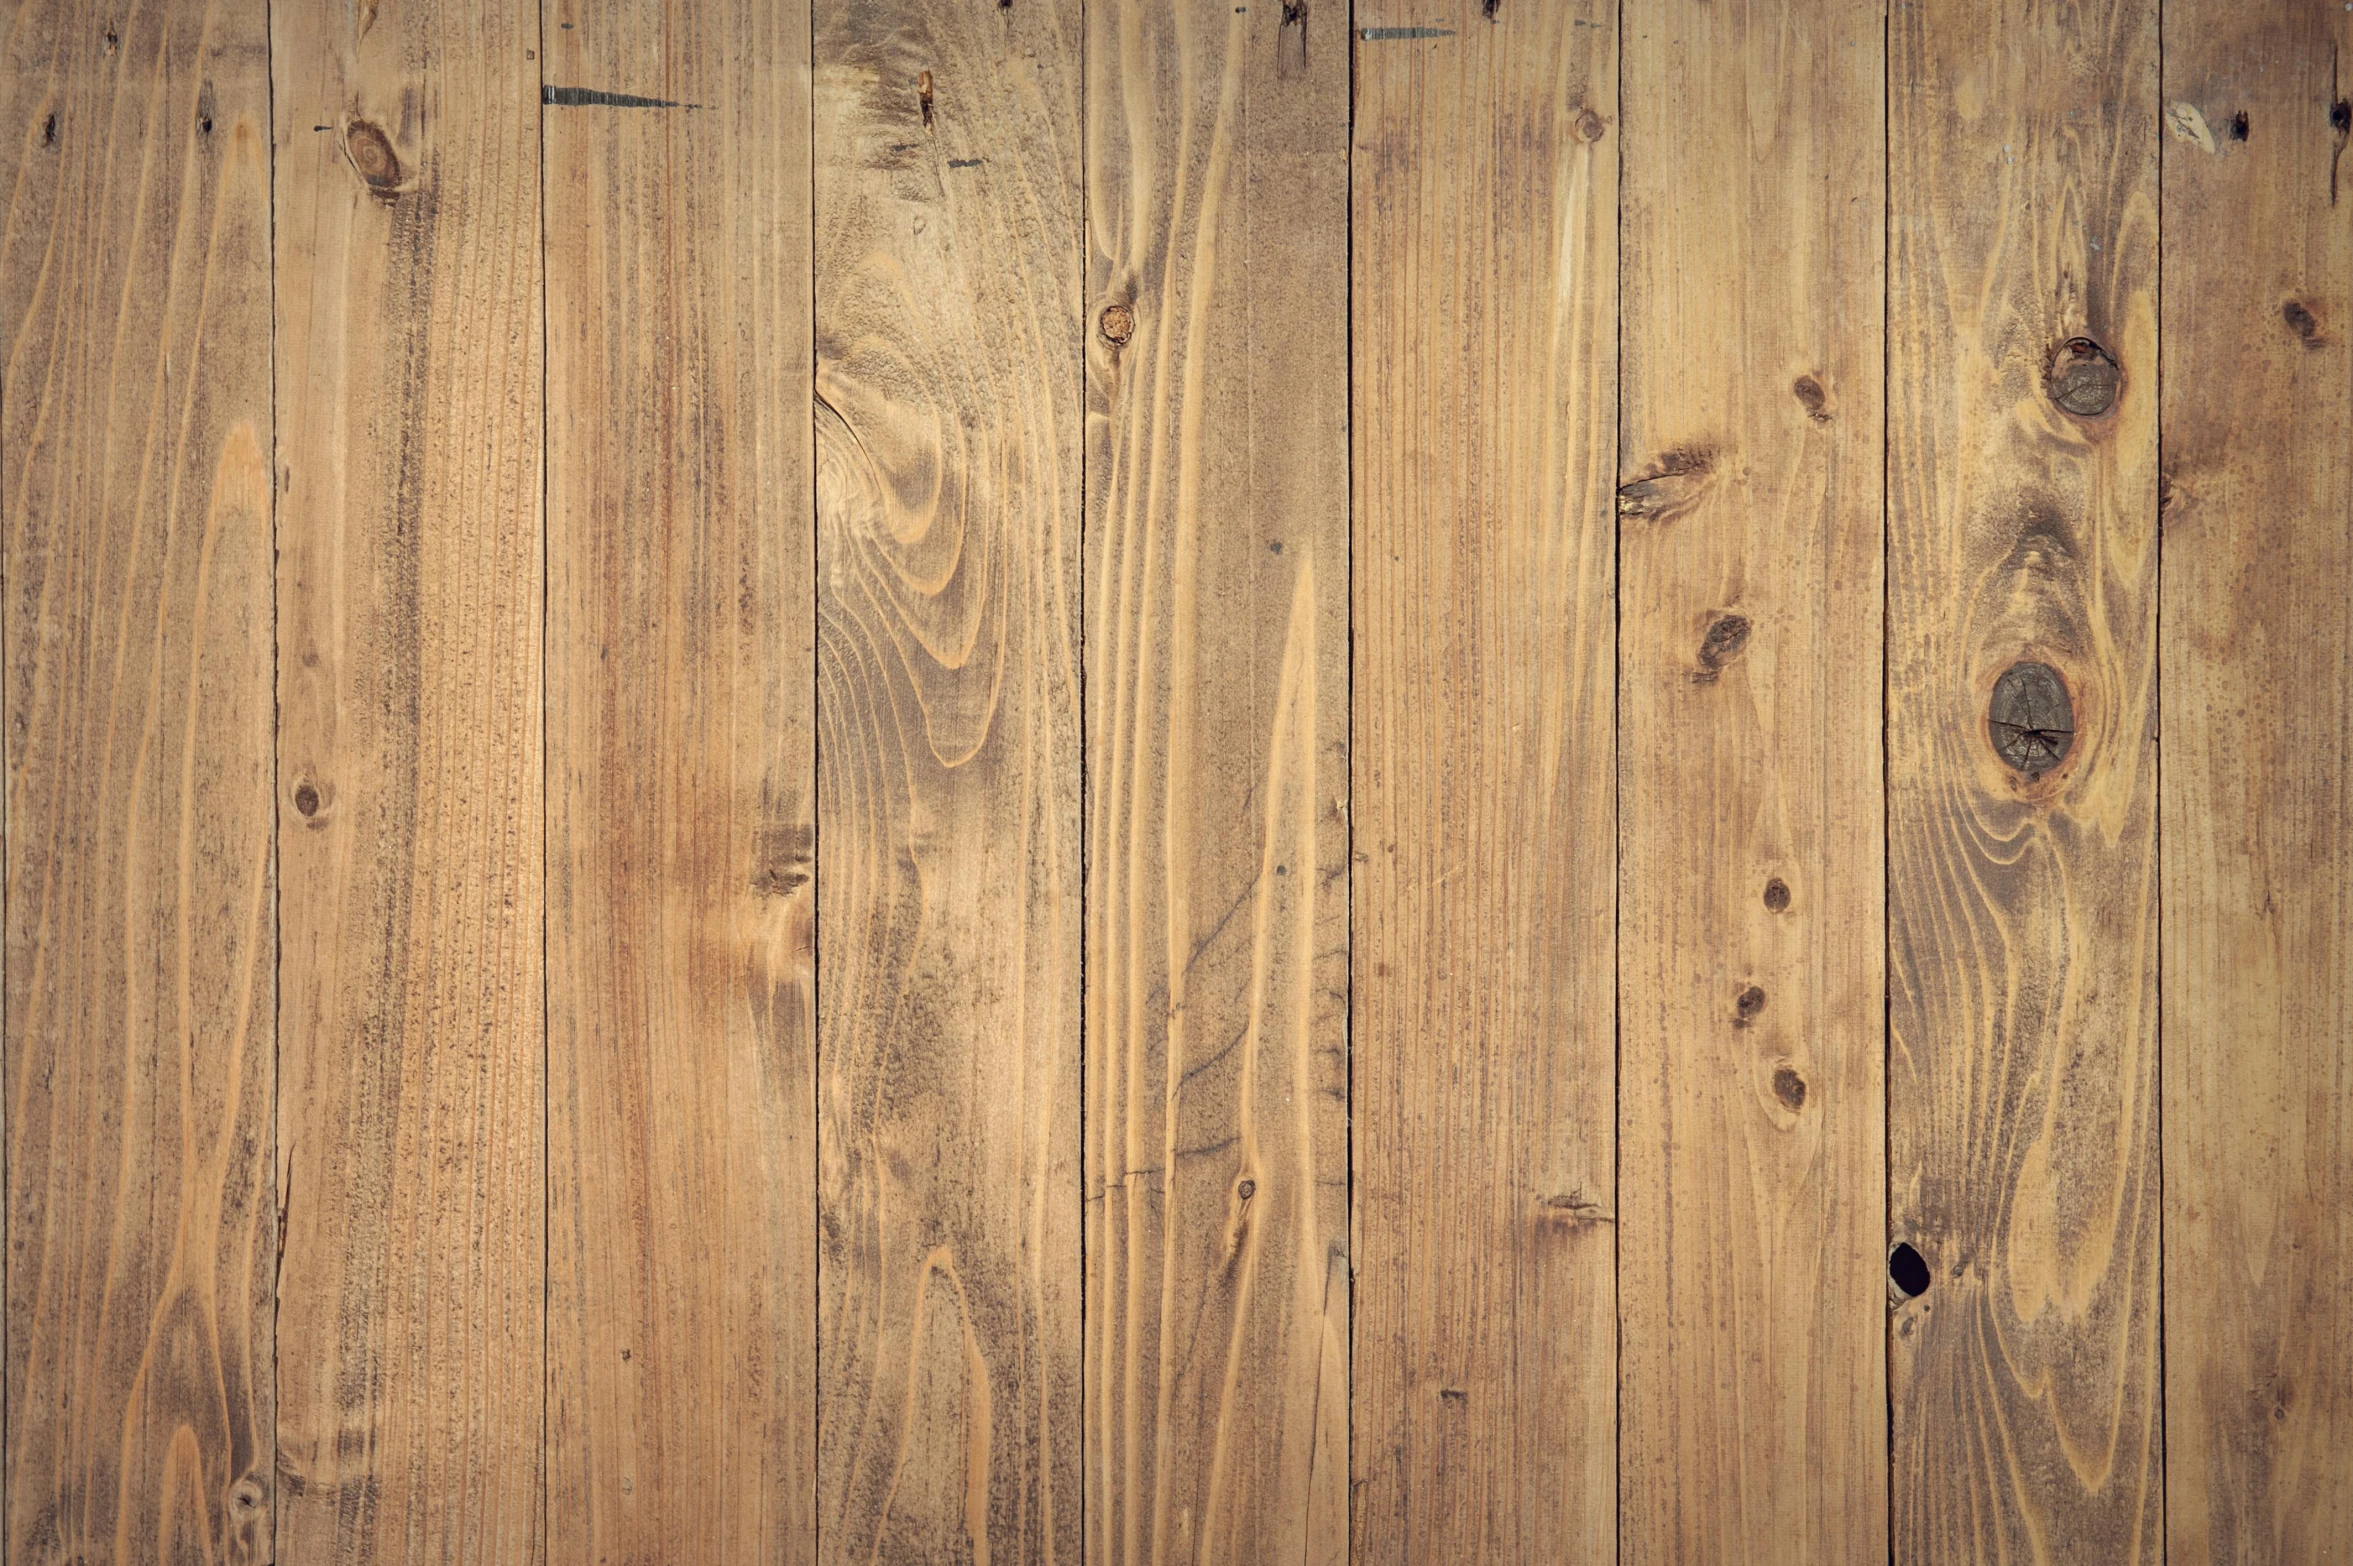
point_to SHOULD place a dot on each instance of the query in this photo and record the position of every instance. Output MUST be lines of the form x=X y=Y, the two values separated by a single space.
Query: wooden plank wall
x=2022 y=896
x=2255 y=816
x=948 y=205
x=1216 y=591
x=412 y=1104
x=136 y=433
x=1750 y=1004
x=1182 y=781
x=1485 y=390
x=680 y=756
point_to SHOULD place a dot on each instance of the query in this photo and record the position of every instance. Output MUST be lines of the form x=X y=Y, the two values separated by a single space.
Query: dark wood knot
x=2031 y=721
x=2083 y=378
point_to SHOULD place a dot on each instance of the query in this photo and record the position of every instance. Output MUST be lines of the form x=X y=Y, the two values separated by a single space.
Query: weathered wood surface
x=681 y=753
x=1182 y=782
x=2258 y=823
x=1751 y=1209
x=1217 y=782
x=948 y=262
x=1484 y=391
x=141 y=944
x=2022 y=902
x=413 y=1038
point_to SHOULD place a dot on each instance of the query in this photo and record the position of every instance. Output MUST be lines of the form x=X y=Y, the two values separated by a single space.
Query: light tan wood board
x=1484 y=353
x=1217 y=782
x=412 y=1099
x=141 y=943
x=2022 y=514
x=1751 y=1000
x=948 y=257
x=2258 y=716
x=681 y=752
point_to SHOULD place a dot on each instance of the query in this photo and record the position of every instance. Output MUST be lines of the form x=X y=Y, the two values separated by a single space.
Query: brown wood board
x=1185 y=782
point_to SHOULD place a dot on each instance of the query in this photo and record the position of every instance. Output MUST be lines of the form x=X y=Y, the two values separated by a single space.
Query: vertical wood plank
x=1751 y=957
x=410 y=606
x=2022 y=493
x=2257 y=684
x=141 y=947
x=1485 y=395
x=949 y=275
x=681 y=754
x=1217 y=754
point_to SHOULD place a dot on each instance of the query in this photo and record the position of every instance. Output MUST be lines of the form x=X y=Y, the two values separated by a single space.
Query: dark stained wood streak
x=598 y=98
x=135 y=548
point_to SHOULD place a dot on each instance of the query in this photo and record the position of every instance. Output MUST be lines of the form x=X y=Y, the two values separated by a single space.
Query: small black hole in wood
x=1909 y=1271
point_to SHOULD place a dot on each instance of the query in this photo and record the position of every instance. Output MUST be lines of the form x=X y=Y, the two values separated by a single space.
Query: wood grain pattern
x=410 y=1325
x=1217 y=746
x=2022 y=909
x=681 y=817
x=948 y=425
x=1484 y=391
x=1751 y=977
x=2258 y=823
x=141 y=952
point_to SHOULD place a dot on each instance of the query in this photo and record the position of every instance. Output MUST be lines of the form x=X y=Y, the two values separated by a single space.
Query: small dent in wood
x=1747 y=1005
x=1727 y=638
x=2083 y=378
x=2031 y=720
x=2238 y=126
x=2303 y=323
x=1776 y=895
x=373 y=159
x=1118 y=323
x=49 y=131
x=2187 y=124
x=1574 y=1207
x=786 y=854
x=1789 y=1087
x=1454 y=1395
